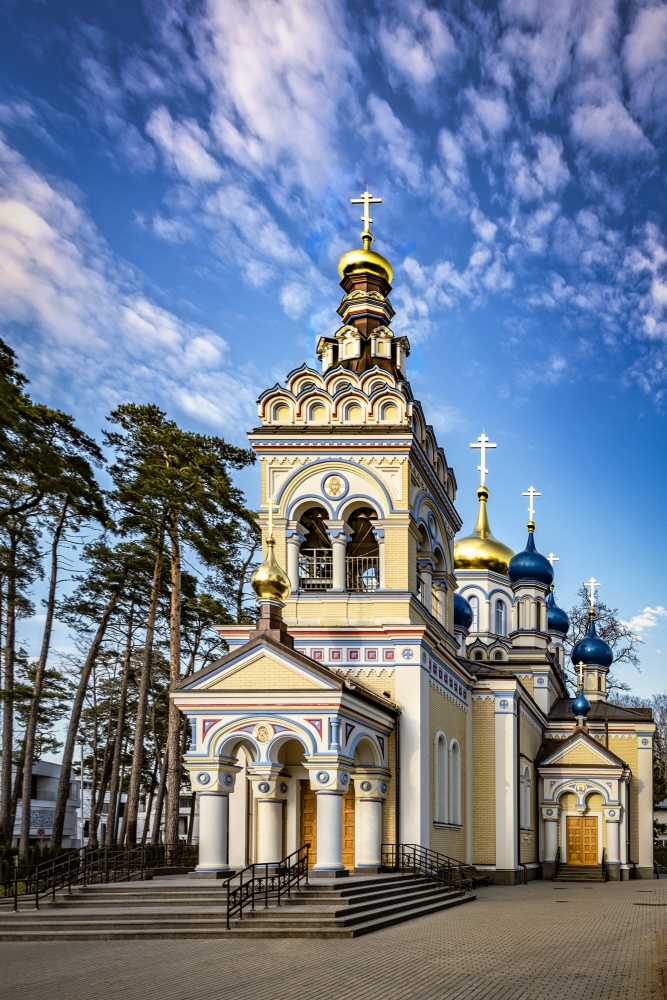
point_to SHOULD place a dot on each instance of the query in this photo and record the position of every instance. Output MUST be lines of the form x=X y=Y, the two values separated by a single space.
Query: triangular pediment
x=261 y=669
x=581 y=750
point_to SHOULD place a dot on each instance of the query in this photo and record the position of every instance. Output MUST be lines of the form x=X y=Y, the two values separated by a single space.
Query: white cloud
x=281 y=72
x=608 y=128
x=417 y=46
x=90 y=324
x=534 y=178
x=184 y=146
x=395 y=143
x=645 y=62
x=648 y=618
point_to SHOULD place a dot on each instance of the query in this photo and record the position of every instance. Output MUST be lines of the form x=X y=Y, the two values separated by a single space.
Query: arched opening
x=478 y=655
x=473 y=601
x=354 y=414
x=362 y=563
x=315 y=559
x=525 y=798
x=281 y=413
x=500 y=618
x=318 y=413
x=498 y=655
x=538 y=616
x=441 y=779
x=365 y=754
x=390 y=413
x=455 y=783
x=241 y=807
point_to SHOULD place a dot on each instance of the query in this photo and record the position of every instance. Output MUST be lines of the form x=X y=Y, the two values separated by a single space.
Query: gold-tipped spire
x=480 y=550
x=269 y=581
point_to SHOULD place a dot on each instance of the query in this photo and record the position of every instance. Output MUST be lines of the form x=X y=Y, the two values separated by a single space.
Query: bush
x=660 y=854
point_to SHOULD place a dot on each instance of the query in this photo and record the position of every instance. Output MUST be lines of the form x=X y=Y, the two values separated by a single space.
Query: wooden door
x=348 y=829
x=582 y=840
x=309 y=821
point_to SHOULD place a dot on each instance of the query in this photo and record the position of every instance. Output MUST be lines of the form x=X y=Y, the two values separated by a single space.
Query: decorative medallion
x=344 y=778
x=407 y=654
x=504 y=703
x=612 y=812
x=540 y=680
x=263 y=786
x=283 y=787
x=366 y=786
x=322 y=777
x=383 y=787
x=432 y=526
x=550 y=812
x=263 y=732
x=580 y=788
x=644 y=743
x=228 y=779
x=334 y=486
x=203 y=778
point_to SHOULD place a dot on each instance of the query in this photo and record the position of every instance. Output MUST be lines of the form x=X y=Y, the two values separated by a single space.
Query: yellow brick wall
x=530 y=740
x=528 y=683
x=627 y=750
x=484 y=782
x=400 y=558
x=446 y=717
x=266 y=674
x=580 y=754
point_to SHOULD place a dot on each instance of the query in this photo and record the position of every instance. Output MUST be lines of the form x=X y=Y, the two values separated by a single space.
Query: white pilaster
x=295 y=538
x=369 y=791
x=469 y=772
x=645 y=799
x=213 y=816
x=506 y=768
x=612 y=819
x=339 y=536
x=412 y=694
x=551 y=816
x=329 y=831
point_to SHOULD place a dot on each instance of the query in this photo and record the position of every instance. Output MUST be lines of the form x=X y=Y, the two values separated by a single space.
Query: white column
x=416 y=752
x=295 y=539
x=469 y=773
x=329 y=831
x=645 y=803
x=506 y=790
x=426 y=572
x=269 y=793
x=369 y=791
x=613 y=847
x=551 y=816
x=339 y=536
x=213 y=816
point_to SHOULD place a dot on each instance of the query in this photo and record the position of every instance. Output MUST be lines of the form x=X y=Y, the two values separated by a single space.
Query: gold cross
x=366 y=200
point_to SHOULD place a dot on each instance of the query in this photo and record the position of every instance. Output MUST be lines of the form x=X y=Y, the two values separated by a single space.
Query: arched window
x=318 y=414
x=478 y=655
x=474 y=605
x=441 y=782
x=538 y=616
x=525 y=798
x=455 y=783
x=390 y=413
x=500 y=618
x=497 y=655
x=281 y=413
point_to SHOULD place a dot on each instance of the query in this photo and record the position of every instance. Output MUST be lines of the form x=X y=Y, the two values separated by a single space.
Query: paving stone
x=513 y=943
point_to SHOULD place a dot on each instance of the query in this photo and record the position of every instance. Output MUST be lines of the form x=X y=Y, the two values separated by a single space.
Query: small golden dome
x=361 y=261
x=269 y=581
x=481 y=550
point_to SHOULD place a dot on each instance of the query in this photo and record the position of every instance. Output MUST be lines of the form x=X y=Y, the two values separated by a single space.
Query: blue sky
x=174 y=195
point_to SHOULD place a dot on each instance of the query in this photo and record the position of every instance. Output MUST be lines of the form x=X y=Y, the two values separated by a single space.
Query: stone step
x=345 y=916
x=25 y=929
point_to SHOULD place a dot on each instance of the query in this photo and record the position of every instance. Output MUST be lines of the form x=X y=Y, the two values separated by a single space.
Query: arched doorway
x=315 y=556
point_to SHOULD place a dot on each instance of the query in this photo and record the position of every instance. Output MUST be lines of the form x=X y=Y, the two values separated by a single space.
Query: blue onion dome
x=581 y=705
x=557 y=619
x=530 y=566
x=592 y=650
x=462 y=613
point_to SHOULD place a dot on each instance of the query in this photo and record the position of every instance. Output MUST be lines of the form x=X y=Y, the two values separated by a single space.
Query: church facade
x=402 y=685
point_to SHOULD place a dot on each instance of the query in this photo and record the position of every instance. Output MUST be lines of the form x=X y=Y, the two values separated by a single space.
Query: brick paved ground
x=536 y=942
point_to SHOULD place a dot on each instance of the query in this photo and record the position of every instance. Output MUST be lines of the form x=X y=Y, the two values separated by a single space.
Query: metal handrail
x=272 y=881
x=92 y=867
x=425 y=863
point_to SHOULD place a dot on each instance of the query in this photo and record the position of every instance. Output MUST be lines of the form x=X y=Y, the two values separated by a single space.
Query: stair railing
x=446 y=872
x=265 y=881
x=86 y=866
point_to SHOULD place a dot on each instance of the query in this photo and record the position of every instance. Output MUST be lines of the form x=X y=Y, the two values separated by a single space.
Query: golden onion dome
x=481 y=550
x=269 y=581
x=362 y=261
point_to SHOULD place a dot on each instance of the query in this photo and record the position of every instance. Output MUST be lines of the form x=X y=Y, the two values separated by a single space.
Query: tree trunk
x=16 y=791
x=155 y=835
x=112 y=815
x=149 y=805
x=174 y=730
x=132 y=804
x=6 y=813
x=31 y=730
x=191 y=821
x=75 y=719
x=98 y=803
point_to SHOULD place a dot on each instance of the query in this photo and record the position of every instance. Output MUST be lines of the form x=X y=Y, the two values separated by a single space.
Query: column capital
x=551 y=813
x=370 y=784
x=295 y=533
x=328 y=777
x=212 y=775
x=273 y=789
x=612 y=814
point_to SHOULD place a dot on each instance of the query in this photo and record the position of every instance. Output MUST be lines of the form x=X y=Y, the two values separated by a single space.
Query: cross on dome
x=591 y=585
x=483 y=444
x=552 y=558
x=532 y=493
x=580 y=668
x=366 y=200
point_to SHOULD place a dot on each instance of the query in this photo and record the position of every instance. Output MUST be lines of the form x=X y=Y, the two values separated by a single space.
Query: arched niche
x=365 y=752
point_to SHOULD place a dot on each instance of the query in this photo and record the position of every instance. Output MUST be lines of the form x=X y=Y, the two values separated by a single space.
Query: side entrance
x=582 y=840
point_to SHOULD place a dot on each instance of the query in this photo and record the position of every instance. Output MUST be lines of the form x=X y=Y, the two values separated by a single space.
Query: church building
x=403 y=685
